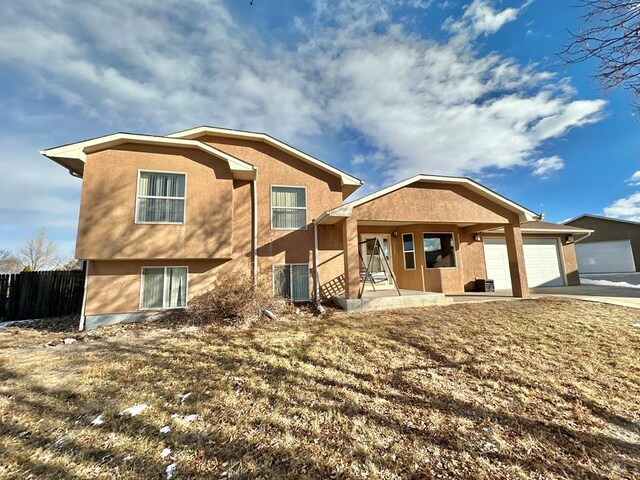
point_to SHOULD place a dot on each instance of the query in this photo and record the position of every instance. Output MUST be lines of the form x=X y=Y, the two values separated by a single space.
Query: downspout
x=316 y=276
x=84 y=296
x=254 y=240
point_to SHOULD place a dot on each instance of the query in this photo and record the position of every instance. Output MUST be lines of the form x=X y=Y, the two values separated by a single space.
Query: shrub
x=235 y=301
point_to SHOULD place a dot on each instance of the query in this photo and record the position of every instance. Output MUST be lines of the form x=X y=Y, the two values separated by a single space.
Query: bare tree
x=9 y=263
x=609 y=34
x=40 y=252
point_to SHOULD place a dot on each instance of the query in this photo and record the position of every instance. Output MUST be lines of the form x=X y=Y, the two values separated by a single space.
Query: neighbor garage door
x=605 y=257
x=542 y=262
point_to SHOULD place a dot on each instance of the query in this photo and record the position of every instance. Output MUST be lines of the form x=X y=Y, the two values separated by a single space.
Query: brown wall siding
x=218 y=220
x=437 y=203
x=107 y=228
x=608 y=230
x=324 y=192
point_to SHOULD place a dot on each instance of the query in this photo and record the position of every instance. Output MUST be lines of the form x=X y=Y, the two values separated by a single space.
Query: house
x=162 y=217
x=614 y=247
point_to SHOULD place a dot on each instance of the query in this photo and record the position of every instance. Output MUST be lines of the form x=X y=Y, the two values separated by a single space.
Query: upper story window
x=288 y=208
x=161 y=197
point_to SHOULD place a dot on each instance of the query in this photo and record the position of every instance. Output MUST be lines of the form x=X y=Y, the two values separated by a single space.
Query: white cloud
x=634 y=179
x=415 y=104
x=480 y=18
x=627 y=208
x=543 y=166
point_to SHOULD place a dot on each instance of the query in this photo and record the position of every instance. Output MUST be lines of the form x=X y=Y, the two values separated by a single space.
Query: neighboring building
x=614 y=246
x=161 y=218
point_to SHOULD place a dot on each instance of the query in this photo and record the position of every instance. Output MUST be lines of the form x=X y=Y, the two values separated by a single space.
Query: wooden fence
x=29 y=295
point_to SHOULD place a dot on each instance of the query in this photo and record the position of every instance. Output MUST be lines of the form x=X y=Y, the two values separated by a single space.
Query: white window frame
x=306 y=202
x=404 y=258
x=138 y=196
x=273 y=279
x=186 y=290
x=455 y=250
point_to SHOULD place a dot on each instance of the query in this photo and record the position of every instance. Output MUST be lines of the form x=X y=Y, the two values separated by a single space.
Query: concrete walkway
x=626 y=297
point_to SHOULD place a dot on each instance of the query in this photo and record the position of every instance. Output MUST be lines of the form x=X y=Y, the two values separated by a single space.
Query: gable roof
x=600 y=217
x=345 y=210
x=192 y=133
x=72 y=156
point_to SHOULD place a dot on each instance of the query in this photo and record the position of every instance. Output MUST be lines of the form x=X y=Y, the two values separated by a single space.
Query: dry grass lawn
x=545 y=388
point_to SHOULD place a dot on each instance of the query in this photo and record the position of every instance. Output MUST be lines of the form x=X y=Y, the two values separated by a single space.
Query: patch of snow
x=98 y=420
x=15 y=323
x=190 y=329
x=171 y=469
x=635 y=325
x=165 y=453
x=186 y=418
x=165 y=429
x=128 y=457
x=607 y=283
x=184 y=396
x=135 y=410
x=490 y=447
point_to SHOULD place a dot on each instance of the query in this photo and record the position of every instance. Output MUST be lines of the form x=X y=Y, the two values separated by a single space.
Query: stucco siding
x=434 y=203
x=107 y=227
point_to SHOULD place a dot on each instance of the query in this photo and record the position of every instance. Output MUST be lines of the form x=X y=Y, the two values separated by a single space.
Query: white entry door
x=377 y=266
x=605 y=257
x=541 y=258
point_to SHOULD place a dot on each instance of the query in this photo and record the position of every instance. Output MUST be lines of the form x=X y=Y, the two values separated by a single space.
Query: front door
x=373 y=259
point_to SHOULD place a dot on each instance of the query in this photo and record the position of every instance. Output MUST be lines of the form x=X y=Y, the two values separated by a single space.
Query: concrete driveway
x=626 y=297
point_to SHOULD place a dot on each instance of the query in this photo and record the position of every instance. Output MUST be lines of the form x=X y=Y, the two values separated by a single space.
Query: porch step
x=390 y=301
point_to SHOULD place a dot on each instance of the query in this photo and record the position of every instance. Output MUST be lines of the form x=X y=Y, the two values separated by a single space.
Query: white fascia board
x=79 y=150
x=525 y=214
x=263 y=137
x=545 y=231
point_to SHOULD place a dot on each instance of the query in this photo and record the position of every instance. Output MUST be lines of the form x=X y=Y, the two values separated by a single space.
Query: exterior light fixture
x=569 y=238
x=395 y=233
x=476 y=237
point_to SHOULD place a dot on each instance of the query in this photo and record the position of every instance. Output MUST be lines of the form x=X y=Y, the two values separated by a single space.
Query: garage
x=605 y=257
x=542 y=262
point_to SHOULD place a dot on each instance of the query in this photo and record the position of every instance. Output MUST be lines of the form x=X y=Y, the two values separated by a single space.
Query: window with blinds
x=161 y=197
x=291 y=281
x=164 y=287
x=288 y=208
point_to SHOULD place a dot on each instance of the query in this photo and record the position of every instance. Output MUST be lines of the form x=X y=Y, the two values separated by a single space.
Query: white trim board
x=78 y=151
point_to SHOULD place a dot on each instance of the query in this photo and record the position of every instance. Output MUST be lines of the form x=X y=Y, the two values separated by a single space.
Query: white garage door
x=541 y=258
x=605 y=257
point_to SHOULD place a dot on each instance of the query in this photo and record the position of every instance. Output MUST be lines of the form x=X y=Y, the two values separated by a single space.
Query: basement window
x=163 y=287
x=291 y=281
x=439 y=250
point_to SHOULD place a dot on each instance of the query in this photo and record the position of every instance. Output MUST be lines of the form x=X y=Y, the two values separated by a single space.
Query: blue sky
x=383 y=89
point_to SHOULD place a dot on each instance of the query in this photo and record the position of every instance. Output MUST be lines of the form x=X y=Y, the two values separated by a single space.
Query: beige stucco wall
x=216 y=238
x=107 y=227
x=275 y=167
x=434 y=203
